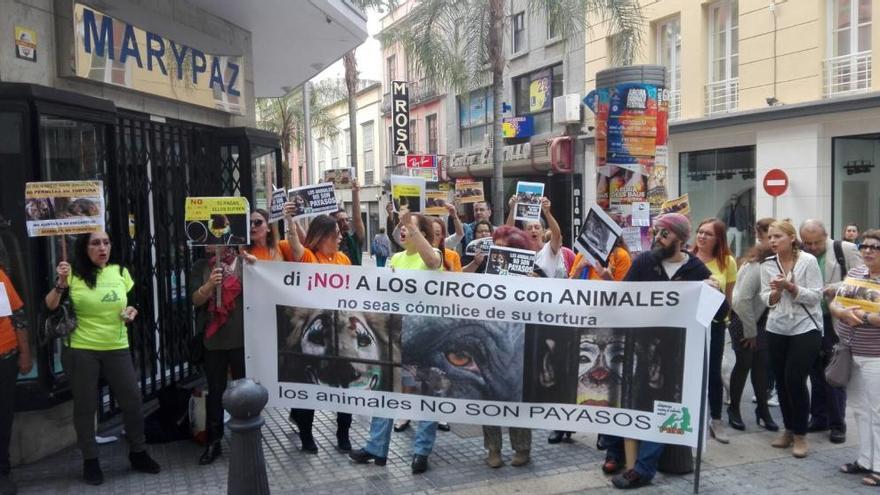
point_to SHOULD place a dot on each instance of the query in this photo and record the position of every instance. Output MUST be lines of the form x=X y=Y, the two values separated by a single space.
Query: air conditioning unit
x=567 y=109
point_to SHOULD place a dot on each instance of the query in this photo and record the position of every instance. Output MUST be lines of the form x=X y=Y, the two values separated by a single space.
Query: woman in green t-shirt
x=98 y=290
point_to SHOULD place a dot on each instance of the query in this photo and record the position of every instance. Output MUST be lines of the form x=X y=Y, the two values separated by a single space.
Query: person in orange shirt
x=265 y=245
x=321 y=246
x=15 y=358
x=451 y=259
x=618 y=264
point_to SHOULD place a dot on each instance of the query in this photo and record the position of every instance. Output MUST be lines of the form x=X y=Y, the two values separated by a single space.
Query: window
x=322 y=156
x=519 y=32
x=431 y=129
x=367 y=139
x=534 y=93
x=856 y=182
x=669 y=56
x=334 y=151
x=552 y=28
x=475 y=117
x=849 y=65
x=721 y=183
x=414 y=136
x=722 y=93
x=391 y=69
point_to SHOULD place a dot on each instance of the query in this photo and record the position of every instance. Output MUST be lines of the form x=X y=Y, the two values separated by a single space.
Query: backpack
x=841 y=259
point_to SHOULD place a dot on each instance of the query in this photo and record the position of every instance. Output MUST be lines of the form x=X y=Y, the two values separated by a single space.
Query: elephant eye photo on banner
x=615 y=358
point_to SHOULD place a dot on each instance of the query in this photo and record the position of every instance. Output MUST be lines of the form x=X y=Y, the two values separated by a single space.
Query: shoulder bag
x=61 y=321
x=839 y=368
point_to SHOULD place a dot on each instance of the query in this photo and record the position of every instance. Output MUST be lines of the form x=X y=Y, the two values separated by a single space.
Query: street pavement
x=747 y=466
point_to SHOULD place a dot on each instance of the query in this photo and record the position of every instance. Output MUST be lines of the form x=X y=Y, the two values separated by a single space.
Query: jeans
x=646 y=462
x=380 y=437
x=8 y=376
x=83 y=368
x=792 y=358
x=864 y=393
x=716 y=355
x=827 y=403
x=380 y=260
x=219 y=365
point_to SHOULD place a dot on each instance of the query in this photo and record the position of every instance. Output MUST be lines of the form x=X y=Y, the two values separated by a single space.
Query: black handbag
x=60 y=322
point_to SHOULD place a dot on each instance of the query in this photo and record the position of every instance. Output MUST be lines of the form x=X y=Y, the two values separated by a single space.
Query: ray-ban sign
x=400 y=116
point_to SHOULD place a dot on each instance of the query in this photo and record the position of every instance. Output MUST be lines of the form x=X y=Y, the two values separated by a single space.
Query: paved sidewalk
x=747 y=466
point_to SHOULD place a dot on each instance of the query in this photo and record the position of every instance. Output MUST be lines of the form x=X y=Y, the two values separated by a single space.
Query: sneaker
x=754 y=400
x=837 y=435
x=628 y=480
x=773 y=400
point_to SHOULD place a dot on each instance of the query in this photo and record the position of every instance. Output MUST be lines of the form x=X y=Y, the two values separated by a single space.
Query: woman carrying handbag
x=861 y=331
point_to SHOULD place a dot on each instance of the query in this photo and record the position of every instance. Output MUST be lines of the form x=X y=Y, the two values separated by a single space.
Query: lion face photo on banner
x=600 y=368
x=345 y=349
x=462 y=359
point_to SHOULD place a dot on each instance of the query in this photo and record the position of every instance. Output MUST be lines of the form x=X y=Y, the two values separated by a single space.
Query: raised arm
x=511 y=215
x=553 y=225
x=53 y=298
x=296 y=246
x=426 y=251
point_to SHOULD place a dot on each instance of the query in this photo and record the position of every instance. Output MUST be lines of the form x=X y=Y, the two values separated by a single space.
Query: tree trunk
x=496 y=59
x=351 y=82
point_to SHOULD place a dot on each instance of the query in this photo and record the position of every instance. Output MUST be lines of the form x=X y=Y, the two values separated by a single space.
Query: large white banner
x=611 y=357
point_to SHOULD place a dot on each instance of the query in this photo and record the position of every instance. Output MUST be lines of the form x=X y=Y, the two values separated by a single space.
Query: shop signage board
x=112 y=51
x=518 y=127
x=400 y=117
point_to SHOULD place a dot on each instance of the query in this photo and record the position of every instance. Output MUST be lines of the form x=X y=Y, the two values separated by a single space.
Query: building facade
x=757 y=85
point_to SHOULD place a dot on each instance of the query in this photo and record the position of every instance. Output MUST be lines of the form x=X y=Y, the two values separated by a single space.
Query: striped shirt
x=865 y=340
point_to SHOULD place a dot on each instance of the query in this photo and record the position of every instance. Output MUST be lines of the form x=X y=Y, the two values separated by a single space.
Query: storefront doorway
x=856 y=195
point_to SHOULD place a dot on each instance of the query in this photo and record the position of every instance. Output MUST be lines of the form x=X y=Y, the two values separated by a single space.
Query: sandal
x=872 y=479
x=611 y=466
x=853 y=468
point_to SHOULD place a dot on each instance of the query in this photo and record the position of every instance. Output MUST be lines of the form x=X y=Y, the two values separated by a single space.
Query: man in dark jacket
x=667 y=261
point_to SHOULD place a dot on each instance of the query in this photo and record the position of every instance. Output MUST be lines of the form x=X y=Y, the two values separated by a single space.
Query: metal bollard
x=244 y=399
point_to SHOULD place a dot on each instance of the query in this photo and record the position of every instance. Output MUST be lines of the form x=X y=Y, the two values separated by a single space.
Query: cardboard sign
x=276 y=204
x=435 y=203
x=478 y=246
x=311 y=201
x=510 y=261
x=408 y=193
x=217 y=221
x=339 y=177
x=528 y=201
x=598 y=236
x=860 y=293
x=5 y=306
x=680 y=205
x=469 y=191
x=61 y=208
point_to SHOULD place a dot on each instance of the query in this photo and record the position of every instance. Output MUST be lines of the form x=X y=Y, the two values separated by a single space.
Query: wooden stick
x=63 y=247
x=218 y=250
x=631 y=451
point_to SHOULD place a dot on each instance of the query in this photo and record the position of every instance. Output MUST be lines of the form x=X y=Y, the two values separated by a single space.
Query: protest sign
x=680 y=204
x=478 y=246
x=435 y=203
x=510 y=261
x=311 y=201
x=217 y=221
x=408 y=193
x=528 y=201
x=5 y=306
x=617 y=358
x=860 y=293
x=598 y=236
x=469 y=191
x=64 y=208
x=429 y=174
x=276 y=204
x=339 y=177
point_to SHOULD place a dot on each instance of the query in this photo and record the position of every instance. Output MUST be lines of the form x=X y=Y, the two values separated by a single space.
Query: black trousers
x=218 y=366
x=304 y=418
x=8 y=376
x=793 y=358
x=716 y=355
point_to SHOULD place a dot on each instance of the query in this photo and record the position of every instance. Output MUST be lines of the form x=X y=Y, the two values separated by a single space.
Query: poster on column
x=64 y=208
x=616 y=358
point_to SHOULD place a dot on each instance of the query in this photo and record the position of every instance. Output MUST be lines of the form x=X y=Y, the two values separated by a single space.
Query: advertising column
x=631 y=107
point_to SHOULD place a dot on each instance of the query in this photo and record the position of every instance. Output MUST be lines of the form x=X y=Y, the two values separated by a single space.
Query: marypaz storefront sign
x=112 y=51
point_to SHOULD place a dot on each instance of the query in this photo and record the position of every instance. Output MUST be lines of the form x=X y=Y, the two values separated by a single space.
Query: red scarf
x=230 y=290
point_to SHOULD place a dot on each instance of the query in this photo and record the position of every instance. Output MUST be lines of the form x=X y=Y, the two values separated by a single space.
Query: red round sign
x=775 y=182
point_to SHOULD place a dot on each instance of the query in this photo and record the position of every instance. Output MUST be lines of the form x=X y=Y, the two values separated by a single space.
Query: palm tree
x=454 y=43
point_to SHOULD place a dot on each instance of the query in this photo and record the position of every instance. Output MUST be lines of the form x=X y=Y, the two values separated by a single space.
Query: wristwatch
x=865 y=319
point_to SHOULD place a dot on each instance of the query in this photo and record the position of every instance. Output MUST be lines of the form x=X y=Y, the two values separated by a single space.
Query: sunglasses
x=869 y=247
x=663 y=233
x=256 y=223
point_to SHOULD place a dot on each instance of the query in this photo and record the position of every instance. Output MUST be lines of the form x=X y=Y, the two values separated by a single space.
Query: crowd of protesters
x=779 y=314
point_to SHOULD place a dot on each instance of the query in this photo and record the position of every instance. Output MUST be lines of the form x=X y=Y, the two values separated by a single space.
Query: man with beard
x=351 y=230
x=482 y=211
x=667 y=261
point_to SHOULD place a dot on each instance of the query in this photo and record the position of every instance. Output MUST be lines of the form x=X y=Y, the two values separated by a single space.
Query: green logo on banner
x=677 y=423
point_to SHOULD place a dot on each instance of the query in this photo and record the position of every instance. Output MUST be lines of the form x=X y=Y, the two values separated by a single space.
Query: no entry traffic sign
x=775 y=182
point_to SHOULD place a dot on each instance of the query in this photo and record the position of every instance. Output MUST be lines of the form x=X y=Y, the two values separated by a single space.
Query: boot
x=716 y=431
x=784 y=440
x=520 y=458
x=343 y=444
x=800 y=448
x=92 y=473
x=141 y=461
x=211 y=453
x=494 y=459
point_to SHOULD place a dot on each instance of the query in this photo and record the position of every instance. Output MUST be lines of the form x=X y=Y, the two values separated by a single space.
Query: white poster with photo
x=276 y=204
x=311 y=201
x=598 y=236
x=514 y=332
x=478 y=246
x=528 y=201
x=408 y=193
x=64 y=208
x=510 y=261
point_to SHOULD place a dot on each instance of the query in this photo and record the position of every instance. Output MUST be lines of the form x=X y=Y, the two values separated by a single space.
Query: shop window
x=856 y=195
x=534 y=93
x=475 y=117
x=721 y=184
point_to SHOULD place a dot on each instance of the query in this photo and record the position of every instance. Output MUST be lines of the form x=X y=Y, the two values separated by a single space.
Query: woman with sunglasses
x=99 y=290
x=791 y=286
x=264 y=246
x=862 y=330
x=321 y=246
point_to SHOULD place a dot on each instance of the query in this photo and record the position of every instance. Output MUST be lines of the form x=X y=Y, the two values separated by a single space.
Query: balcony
x=674 y=104
x=847 y=74
x=722 y=96
x=419 y=92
